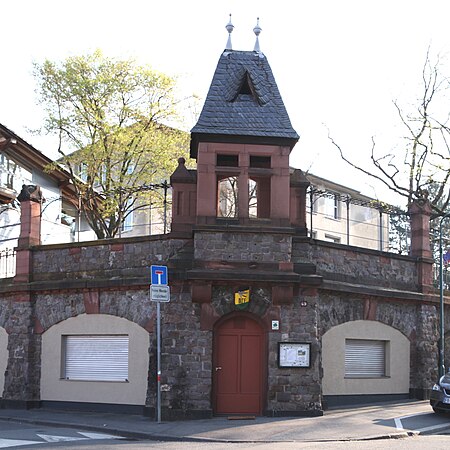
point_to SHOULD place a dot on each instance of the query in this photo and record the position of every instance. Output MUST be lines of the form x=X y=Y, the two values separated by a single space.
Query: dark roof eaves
x=45 y=160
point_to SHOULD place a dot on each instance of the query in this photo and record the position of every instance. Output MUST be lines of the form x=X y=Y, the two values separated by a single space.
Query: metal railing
x=358 y=222
x=7 y=263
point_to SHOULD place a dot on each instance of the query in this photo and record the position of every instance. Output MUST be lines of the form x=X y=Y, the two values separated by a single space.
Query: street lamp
x=441 y=300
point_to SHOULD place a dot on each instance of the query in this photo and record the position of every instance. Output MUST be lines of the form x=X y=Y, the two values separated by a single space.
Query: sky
x=339 y=64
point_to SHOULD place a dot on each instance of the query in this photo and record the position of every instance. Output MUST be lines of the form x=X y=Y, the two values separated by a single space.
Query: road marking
x=418 y=414
x=398 y=420
x=433 y=427
x=400 y=427
x=99 y=435
x=51 y=438
x=398 y=423
x=5 y=443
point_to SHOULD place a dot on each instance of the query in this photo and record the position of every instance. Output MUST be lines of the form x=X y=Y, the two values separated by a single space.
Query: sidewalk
x=357 y=423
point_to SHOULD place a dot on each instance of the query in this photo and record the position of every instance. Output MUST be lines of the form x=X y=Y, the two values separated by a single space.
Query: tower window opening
x=227 y=197
x=252 y=199
x=259 y=198
x=260 y=162
x=228 y=160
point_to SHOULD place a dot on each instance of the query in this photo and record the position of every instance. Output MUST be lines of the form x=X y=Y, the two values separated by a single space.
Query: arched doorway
x=239 y=366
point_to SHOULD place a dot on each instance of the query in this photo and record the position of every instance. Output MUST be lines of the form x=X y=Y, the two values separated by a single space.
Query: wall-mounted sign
x=294 y=354
x=275 y=324
x=242 y=298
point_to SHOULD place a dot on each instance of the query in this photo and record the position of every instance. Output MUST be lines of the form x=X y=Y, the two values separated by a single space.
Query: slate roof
x=243 y=100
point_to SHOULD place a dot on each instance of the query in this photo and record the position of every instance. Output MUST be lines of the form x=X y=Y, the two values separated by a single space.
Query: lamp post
x=441 y=300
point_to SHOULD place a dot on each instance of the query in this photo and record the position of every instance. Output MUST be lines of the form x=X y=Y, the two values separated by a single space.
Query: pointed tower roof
x=243 y=101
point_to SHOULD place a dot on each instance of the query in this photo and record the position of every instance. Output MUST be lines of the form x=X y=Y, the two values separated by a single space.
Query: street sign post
x=159 y=292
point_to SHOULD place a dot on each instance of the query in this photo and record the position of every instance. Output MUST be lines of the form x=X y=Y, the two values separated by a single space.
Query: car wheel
x=437 y=411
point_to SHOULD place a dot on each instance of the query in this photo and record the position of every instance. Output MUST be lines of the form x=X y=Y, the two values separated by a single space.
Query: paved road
x=408 y=443
x=50 y=428
x=21 y=435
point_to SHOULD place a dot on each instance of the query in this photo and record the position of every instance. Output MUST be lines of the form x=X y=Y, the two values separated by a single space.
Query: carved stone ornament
x=30 y=192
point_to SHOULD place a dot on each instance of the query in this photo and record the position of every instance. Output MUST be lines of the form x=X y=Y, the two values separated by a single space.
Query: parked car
x=440 y=394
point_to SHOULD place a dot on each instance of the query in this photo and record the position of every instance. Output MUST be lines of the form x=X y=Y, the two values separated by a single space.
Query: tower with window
x=241 y=143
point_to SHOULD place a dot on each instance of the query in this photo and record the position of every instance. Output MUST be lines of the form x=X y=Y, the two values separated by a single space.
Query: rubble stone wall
x=357 y=265
x=243 y=247
x=295 y=389
x=121 y=258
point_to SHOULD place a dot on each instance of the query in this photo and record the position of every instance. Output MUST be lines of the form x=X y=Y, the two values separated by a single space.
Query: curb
x=140 y=435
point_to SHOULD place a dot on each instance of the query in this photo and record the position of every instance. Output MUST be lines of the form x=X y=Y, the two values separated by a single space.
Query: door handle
x=218 y=368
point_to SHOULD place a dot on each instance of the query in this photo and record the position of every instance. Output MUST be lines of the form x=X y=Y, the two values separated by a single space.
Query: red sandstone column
x=184 y=197
x=299 y=184
x=420 y=212
x=30 y=200
x=279 y=201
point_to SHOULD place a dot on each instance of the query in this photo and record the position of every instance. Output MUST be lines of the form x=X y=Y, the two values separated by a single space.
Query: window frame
x=365 y=358
x=332 y=205
x=95 y=357
x=331 y=238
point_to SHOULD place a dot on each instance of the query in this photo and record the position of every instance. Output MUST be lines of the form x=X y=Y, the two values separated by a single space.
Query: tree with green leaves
x=113 y=121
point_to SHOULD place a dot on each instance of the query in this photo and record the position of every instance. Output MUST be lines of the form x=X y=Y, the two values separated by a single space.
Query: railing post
x=441 y=366
x=165 y=185
x=347 y=201
x=380 y=234
x=311 y=207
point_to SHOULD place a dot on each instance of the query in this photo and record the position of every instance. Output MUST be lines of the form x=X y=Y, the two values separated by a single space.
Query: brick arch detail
x=264 y=324
x=133 y=305
x=337 y=310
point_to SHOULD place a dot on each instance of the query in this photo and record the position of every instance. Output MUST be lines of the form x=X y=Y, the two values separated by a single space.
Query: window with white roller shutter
x=95 y=357
x=365 y=358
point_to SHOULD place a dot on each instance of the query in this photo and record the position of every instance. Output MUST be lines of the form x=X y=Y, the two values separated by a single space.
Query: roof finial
x=257 y=30
x=229 y=28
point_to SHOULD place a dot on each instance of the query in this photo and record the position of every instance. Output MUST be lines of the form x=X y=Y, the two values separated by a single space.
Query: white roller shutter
x=96 y=357
x=365 y=358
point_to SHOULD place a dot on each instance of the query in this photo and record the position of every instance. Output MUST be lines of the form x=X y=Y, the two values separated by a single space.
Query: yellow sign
x=242 y=298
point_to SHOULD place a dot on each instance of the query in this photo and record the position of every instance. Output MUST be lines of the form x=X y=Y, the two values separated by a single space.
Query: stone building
x=262 y=319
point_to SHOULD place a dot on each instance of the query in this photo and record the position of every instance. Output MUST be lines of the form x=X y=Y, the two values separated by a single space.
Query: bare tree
x=424 y=160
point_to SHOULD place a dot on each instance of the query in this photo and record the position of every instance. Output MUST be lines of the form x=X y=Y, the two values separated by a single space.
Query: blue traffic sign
x=159 y=275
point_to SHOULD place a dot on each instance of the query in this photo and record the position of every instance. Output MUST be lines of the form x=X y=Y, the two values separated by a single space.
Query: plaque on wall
x=294 y=354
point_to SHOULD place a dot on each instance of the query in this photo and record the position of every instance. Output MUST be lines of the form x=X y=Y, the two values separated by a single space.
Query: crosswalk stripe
x=5 y=443
x=98 y=435
x=51 y=438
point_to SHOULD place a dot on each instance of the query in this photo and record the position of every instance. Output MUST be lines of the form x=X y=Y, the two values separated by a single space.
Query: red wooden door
x=239 y=367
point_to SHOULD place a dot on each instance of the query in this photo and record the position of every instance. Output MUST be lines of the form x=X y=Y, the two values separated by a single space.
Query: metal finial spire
x=230 y=28
x=257 y=30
